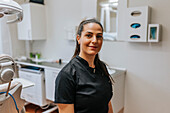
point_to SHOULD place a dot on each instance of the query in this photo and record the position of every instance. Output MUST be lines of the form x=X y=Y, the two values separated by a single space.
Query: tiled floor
x=31 y=108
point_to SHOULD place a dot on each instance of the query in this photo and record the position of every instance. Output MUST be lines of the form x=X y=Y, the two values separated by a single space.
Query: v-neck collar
x=86 y=64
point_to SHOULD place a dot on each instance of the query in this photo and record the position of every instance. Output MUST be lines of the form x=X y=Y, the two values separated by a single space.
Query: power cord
x=13 y=100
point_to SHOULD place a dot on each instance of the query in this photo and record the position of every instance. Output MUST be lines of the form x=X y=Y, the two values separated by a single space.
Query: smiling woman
x=90 y=40
x=84 y=84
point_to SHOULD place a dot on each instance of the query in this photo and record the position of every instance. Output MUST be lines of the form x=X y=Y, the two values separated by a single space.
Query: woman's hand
x=66 y=108
x=110 y=108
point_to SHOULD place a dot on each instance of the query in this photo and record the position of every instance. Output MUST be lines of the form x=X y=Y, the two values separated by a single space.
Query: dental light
x=10 y=8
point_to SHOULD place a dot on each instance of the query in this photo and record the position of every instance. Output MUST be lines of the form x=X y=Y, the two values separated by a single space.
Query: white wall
x=9 y=43
x=86 y=8
x=61 y=15
x=18 y=46
x=148 y=64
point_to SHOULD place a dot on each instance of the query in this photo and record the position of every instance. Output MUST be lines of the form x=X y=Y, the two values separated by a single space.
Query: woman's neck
x=89 y=59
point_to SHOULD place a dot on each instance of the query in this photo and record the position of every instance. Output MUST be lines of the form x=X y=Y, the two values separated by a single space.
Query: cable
x=13 y=100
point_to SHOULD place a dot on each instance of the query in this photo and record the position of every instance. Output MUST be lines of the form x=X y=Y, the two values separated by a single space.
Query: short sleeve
x=64 y=88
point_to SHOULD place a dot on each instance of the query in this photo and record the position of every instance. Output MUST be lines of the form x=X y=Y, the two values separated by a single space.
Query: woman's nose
x=94 y=39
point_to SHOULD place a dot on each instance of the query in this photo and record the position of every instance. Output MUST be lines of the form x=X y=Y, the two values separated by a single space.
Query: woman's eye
x=88 y=35
x=99 y=36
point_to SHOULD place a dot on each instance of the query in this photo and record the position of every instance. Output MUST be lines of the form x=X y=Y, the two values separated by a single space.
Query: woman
x=84 y=85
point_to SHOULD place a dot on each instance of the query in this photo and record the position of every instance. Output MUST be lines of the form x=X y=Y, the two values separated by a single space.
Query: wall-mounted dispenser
x=137 y=23
x=154 y=32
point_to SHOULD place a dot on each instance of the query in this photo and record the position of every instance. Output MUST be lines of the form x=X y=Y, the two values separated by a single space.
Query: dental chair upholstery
x=7 y=104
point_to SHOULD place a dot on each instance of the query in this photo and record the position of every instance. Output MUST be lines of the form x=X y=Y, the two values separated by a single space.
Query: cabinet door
x=34 y=94
x=24 y=27
x=33 y=26
x=38 y=21
x=50 y=77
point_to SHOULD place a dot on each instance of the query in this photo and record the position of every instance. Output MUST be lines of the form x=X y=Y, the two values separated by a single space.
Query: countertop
x=118 y=72
x=49 y=65
x=52 y=65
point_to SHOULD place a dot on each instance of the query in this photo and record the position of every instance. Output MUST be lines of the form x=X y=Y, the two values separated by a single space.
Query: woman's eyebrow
x=89 y=32
x=92 y=32
x=100 y=33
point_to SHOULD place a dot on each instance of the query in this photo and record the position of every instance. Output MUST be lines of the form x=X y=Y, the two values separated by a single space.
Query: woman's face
x=91 y=39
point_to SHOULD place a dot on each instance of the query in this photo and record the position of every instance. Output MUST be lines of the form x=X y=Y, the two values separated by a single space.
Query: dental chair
x=10 y=101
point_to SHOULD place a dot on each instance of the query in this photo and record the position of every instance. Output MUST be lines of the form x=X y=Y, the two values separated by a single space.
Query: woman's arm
x=66 y=108
x=110 y=108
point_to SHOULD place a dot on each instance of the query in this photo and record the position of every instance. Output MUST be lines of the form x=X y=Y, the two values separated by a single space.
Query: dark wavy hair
x=98 y=62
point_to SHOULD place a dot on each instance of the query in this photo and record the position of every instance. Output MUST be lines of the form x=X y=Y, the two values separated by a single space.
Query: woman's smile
x=93 y=47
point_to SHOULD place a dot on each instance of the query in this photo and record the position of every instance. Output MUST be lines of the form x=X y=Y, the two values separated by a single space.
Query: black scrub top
x=89 y=90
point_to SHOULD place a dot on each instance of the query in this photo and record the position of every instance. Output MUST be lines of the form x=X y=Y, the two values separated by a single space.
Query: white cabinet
x=50 y=77
x=118 y=91
x=34 y=94
x=33 y=26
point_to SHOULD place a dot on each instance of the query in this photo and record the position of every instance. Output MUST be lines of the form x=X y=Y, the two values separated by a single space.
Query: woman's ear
x=78 y=39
